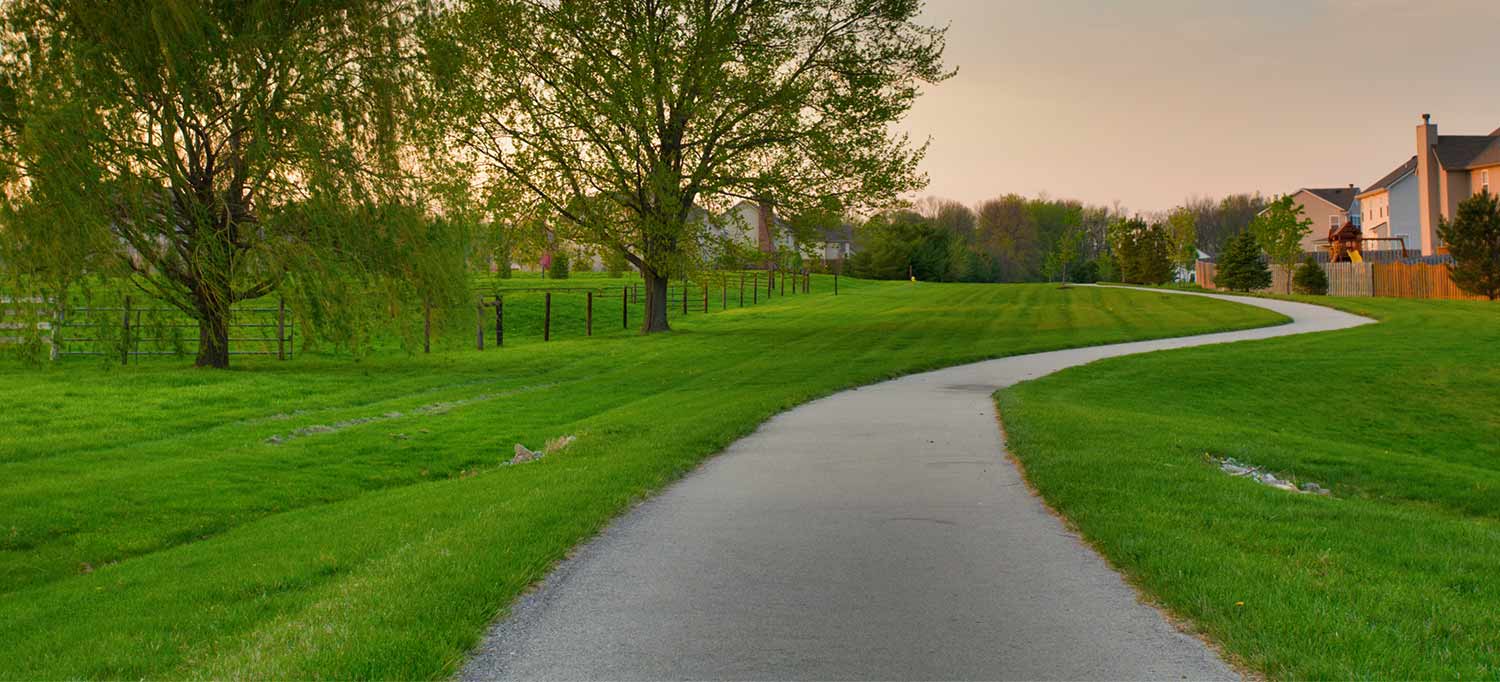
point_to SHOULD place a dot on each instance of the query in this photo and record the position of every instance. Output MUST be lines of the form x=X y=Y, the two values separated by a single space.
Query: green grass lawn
x=151 y=525
x=1395 y=577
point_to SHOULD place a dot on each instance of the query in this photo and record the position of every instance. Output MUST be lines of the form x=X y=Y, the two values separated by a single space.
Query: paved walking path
x=878 y=533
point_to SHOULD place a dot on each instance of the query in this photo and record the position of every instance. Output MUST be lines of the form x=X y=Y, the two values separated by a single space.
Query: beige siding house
x=1450 y=168
x=1327 y=208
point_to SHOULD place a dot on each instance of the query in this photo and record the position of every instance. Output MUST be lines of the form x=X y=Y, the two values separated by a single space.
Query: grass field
x=160 y=521
x=1397 y=576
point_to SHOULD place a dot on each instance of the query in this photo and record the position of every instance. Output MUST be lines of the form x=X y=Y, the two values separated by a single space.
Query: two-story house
x=1413 y=200
x=1389 y=208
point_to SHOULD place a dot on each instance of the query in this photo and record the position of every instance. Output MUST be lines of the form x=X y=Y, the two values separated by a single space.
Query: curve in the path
x=878 y=533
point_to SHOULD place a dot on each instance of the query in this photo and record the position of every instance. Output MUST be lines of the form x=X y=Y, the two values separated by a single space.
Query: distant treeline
x=1019 y=239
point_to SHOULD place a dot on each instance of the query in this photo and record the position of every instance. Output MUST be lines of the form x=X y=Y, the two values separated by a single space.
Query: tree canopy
x=212 y=150
x=655 y=108
x=1279 y=230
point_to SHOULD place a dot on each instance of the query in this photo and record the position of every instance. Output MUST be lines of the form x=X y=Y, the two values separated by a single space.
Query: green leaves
x=211 y=149
x=1473 y=238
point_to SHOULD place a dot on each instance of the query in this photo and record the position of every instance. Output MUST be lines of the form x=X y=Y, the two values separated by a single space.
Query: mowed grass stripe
x=334 y=556
x=1394 y=577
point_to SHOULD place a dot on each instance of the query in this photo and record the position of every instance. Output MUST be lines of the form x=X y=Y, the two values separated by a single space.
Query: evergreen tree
x=1310 y=278
x=1473 y=238
x=1240 y=266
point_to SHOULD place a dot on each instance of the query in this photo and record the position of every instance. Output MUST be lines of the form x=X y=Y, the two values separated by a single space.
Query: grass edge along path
x=1392 y=577
x=400 y=581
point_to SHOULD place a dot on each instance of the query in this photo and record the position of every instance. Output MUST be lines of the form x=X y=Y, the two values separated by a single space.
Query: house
x=756 y=224
x=837 y=244
x=1415 y=198
x=1450 y=168
x=1328 y=209
x=1389 y=209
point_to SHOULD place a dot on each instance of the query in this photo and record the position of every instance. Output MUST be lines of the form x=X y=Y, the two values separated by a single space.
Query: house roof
x=1342 y=197
x=834 y=235
x=1459 y=152
x=1390 y=178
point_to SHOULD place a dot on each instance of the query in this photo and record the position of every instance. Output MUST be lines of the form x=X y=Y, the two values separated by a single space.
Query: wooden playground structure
x=1347 y=244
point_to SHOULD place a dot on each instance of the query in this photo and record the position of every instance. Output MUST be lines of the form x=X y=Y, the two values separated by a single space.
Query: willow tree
x=211 y=149
x=659 y=107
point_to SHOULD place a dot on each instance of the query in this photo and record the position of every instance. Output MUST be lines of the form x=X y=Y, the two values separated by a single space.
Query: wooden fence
x=1392 y=280
x=1418 y=280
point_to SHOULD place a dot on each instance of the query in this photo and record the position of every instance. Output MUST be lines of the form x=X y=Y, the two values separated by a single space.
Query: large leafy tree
x=1182 y=229
x=1143 y=250
x=1279 y=230
x=1006 y=229
x=659 y=106
x=1473 y=239
x=210 y=149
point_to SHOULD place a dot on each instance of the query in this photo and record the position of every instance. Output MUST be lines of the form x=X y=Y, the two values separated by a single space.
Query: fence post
x=59 y=321
x=684 y=297
x=280 y=328
x=783 y=285
x=705 y=296
x=499 y=321
x=806 y=282
x=742 y=288
x=426 y=326
x=625 y=307
x=479 y=324
x=724 y=294
x=588 y=324
x=835 y=284
x=754 y=288
x=547 y=319
x=125 y=338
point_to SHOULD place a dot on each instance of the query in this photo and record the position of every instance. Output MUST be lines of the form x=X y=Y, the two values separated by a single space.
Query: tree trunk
x=655 y=319
x=213 y=338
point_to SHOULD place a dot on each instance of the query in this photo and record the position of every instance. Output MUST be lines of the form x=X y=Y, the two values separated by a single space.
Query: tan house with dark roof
x=1327 y=208
x=1451 y=168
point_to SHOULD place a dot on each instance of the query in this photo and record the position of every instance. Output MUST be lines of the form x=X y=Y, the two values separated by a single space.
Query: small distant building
x=837 y=244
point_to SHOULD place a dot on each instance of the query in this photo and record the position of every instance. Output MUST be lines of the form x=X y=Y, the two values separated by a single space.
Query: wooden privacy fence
x=1392 y=280
x=1418 y=280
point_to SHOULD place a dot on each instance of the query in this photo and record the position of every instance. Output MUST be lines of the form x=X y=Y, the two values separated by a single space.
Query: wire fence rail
x=128 y=329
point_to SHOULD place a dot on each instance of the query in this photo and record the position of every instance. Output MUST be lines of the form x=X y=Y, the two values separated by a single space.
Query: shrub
x=615 y=263
x=1310 y=278
x=1087 y=273
x=559 y=269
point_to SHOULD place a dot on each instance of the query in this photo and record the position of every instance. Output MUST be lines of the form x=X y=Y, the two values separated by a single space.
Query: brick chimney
x=765 y=226
x=1428 y=183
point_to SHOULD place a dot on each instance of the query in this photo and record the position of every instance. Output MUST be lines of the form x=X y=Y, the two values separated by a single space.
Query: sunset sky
x=1146 y=102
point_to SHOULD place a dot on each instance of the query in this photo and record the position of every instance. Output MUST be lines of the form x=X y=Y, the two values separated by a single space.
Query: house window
x=1484 y=181
x=1335 y=221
